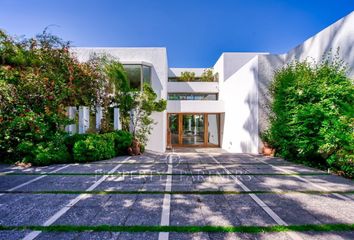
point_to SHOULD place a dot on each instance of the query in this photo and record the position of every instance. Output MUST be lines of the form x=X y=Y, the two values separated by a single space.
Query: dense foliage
x=76 y=148
x=94 y=147
x=39 y=78
x=187 y=76
x=145 y=104
x=207 y=75
x=312 y=115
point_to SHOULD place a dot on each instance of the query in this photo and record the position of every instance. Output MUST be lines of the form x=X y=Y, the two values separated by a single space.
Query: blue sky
x=195 y=32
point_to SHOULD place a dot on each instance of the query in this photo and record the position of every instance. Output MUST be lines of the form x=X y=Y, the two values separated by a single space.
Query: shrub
x=39 y=77
x=187 y=76
x=25 y=151
x=142 y=148
x=71 y=140
x=122 y=141
x=49 y=153
x=312 y=114
x=94 y=147
x=43 y=153
x=207 y=75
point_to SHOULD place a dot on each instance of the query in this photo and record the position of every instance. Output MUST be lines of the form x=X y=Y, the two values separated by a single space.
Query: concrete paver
x=30 y=209
x=185 y=209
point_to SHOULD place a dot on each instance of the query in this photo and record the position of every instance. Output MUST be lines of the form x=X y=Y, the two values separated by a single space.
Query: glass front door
x=197 y=129
x=173 y=128
x=193 y=129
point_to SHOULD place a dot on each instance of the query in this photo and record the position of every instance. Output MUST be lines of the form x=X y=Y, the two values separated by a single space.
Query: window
x=137 y=75
x=146 y=74
x=193 y=129
x=193 y=96
x=134 y=75
x=178 y=79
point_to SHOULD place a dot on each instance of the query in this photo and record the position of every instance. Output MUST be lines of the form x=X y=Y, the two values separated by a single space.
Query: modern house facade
x=226 y=110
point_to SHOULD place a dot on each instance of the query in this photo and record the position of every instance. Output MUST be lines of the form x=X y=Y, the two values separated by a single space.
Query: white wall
x=338 y=35
x=213 y=129
x=219 y=68
x=196 y=106
x=243 y=83
x=235 y=61
x=239 y=93
x=158 y=58
x=267 y=64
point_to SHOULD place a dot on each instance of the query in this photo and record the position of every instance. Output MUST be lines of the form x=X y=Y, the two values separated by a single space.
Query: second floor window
x=137 y=75
x=193 y=96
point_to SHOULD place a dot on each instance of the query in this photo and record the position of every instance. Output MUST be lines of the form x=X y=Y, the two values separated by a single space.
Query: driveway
x=192 y=195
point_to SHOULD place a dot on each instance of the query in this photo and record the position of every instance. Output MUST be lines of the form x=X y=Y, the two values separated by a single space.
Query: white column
x=84 y=119
x=99 y=115
x=116 y=122
x=71 y=111
x=195 y=128
x=131 y=125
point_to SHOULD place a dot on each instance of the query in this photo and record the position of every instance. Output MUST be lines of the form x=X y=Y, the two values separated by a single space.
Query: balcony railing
x=195 y=106
x=196 y=79
x=192 y=96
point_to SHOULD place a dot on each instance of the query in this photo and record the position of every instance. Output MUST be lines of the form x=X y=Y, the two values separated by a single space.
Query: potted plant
x=135 y=148
x=267 y=149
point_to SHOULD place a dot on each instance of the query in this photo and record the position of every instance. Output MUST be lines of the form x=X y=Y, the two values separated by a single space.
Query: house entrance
x=193 y=129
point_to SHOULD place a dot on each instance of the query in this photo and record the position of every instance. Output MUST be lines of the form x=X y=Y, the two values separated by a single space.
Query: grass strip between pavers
x=127 y=173
x=195 y=163
x=186 y=229
x=178 y=192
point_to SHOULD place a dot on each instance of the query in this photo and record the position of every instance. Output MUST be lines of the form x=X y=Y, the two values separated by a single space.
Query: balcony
x=197 y=87
x=195 y=106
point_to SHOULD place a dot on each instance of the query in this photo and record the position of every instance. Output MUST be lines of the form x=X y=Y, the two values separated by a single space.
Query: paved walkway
x=186 y=189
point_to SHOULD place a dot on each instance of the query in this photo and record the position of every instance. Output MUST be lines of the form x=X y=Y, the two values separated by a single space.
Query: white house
x=228 y=112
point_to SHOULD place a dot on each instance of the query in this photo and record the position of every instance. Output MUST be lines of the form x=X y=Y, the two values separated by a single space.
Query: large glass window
x=173 y=128
x=193 y=96
x=146 y=74
x=193 y=129
x=134 y=75
x=137 y=74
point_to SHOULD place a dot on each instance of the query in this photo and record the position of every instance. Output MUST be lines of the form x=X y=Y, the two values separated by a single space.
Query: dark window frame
x=142 y=74
x=193 y=96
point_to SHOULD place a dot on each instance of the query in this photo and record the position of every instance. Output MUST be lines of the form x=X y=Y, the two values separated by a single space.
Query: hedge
x=94 y=147
x=44 y=153
x=75 y=148
x=312 y=115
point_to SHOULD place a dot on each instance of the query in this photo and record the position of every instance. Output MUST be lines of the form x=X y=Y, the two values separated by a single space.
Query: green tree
x=135 y=106
x=123 y=95
x=39 y=78
x=312 y=114
x=144 y=105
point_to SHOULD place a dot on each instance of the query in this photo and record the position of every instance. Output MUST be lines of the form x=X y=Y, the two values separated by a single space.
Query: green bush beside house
x=312 y=115
x=94 y=147
x=39 y=78
x=43 y=153
x=75 y=148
